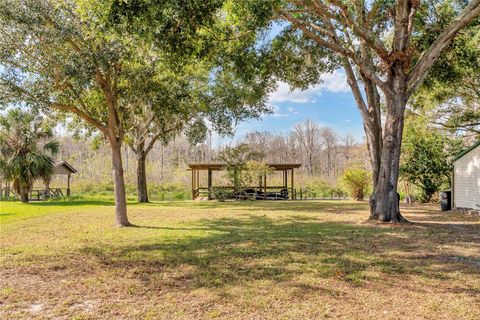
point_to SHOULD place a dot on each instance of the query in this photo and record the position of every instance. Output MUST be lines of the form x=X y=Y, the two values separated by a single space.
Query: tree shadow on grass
x=234 y=251
x=73 y=203
x=305 y=206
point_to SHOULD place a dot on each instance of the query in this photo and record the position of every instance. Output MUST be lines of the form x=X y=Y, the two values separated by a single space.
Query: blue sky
x=330 y=104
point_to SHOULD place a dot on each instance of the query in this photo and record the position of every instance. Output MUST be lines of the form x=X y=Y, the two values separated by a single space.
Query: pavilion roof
x=221 y=166
x=63 y=167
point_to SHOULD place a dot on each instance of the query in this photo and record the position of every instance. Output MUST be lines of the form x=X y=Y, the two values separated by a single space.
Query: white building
x=466 y=179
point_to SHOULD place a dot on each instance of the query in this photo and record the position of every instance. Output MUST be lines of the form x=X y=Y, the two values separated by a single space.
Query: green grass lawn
x=235 y=260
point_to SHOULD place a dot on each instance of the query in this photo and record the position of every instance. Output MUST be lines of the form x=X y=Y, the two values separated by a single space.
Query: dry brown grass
x=249 y=260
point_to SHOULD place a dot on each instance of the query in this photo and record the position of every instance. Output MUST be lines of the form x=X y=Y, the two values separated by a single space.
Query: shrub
x=316 y=187
x=356 y=182
x=220 y=194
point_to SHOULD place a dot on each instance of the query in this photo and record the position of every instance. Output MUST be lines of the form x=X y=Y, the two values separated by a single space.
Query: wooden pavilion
x=199 y=190
x=64 y=168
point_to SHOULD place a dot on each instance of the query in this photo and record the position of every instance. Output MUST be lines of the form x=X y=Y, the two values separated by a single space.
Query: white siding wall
x=467 y=180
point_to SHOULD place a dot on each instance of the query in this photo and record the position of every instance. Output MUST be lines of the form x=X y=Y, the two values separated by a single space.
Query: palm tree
x=26 y=150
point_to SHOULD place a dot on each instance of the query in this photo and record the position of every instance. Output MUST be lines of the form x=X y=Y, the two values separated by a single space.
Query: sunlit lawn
x=248 y=260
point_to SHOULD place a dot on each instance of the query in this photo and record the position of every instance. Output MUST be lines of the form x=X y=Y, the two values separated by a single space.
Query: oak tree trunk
x=121 y=218
x=385 y=201
x=374 y=144
x=142 y=191
x=372 y=124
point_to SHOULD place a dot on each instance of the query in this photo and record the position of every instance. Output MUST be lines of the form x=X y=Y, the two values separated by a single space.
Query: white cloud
x=333 y=82
x=284 y=94
x=292 y=110
x=277 y=113
x=280 y=115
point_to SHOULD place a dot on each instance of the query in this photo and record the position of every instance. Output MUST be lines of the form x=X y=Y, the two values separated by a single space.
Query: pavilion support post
x=68 y=185
x=193 y=184
x=198 y=182
x=265 y=185
x=209 y=182
x=293 y=190
x=286 y=179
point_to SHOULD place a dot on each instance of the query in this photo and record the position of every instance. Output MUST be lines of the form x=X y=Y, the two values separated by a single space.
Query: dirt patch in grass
x=249 y=260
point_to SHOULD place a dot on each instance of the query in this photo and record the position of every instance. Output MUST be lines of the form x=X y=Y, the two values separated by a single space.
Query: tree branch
x=353 y=83
x=428 y=59
x=335 y=46
x=365 y=34
x=400 y=34
x=82 y=114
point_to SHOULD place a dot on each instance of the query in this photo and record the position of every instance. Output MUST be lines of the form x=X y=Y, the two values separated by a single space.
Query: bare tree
x=308 y=133
x=348 y=142
x=330 y=142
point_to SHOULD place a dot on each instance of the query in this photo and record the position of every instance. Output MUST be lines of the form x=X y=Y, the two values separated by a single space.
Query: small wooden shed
x=60 y=168
x=466 y=179
x=64 y=168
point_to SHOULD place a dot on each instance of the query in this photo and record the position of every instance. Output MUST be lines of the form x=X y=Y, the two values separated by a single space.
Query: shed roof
x=63 y=167
x=221 y=166
x=465 y=151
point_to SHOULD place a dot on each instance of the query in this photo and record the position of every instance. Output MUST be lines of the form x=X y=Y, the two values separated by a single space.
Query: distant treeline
x=323 y=153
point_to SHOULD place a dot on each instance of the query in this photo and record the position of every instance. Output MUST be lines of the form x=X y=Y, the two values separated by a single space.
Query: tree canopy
x=82 y=58
x=450 y=94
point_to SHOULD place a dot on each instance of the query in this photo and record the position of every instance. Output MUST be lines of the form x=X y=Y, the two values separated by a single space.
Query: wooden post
x=209 y=182
x=193 y=185
x=198 y=181
x=265 y=185
x=291 y=178
x=68 y=186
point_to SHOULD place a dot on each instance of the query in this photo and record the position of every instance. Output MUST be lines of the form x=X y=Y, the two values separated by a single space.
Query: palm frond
x=26 y=154
x=52 y=146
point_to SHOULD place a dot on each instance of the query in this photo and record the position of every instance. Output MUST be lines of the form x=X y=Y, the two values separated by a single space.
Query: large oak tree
x=60 y=56
x=88 y=60
x=66 y=56
x=386 y=49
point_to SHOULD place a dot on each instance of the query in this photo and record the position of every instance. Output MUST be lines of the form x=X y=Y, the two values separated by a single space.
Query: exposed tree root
x=127 y=225
x=398 y=219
